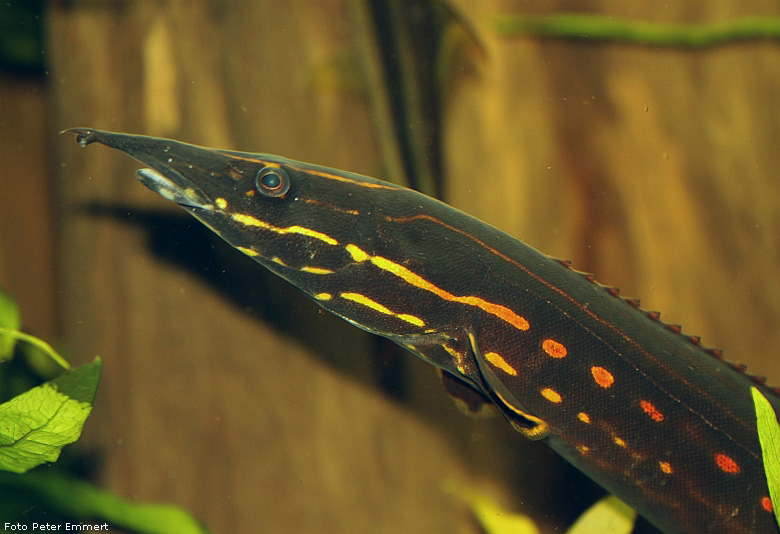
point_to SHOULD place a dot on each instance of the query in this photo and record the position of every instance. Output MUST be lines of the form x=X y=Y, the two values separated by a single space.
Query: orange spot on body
x=554 y=349
x=666 y=467
x=727 y=464
x=652 y=411
x=619 y=442
x=766 y=504
x=551 y=395
x=583 y=449
x=603 y=377
x=582 y=416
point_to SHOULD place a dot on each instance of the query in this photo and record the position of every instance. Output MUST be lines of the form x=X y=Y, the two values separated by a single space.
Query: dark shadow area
x=21 y=38
x=183 y=242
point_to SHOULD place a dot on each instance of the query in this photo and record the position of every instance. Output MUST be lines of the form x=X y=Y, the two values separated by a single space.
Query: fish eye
x=272 y=182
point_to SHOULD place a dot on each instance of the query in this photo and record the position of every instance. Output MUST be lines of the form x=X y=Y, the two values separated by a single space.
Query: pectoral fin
x=529 y=425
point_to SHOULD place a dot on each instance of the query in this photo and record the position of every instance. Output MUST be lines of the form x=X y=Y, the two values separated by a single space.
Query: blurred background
x=226 y=392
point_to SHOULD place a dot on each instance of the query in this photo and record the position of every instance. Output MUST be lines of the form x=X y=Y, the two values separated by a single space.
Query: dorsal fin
x=655 y=316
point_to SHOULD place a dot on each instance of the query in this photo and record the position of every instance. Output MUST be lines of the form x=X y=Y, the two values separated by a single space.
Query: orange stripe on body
x=330 y=176
x=651 y=410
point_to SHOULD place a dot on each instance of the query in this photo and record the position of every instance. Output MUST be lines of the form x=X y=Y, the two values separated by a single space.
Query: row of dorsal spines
x=655 y=316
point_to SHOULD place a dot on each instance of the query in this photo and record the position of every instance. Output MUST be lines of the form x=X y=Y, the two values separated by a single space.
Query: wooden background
x=226 y=392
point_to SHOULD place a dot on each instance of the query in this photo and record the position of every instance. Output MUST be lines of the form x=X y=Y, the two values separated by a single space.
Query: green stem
x=601 y=28
x=41 y=344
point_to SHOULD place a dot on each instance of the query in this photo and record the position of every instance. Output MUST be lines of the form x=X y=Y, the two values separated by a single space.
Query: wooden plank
x=27 y=269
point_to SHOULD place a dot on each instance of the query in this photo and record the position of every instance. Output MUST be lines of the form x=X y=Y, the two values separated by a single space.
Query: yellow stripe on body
x=502 y=312
x=416 y=321
x=280 y=261
x=498 y=361
x=374 y=305
x=316 y=270
x=248 y=220
x=357 y=253
x=457 y=356
x=248 y=251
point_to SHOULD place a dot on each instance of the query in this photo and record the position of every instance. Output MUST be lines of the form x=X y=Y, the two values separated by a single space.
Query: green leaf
x=609 y=515
x=35 y=425
x=9 y=318
x=769 y=437
x=84 y=502
x=493 y=518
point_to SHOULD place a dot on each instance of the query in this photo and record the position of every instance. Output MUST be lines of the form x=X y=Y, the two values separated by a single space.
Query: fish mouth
x=169 y=189
x=175 y=167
